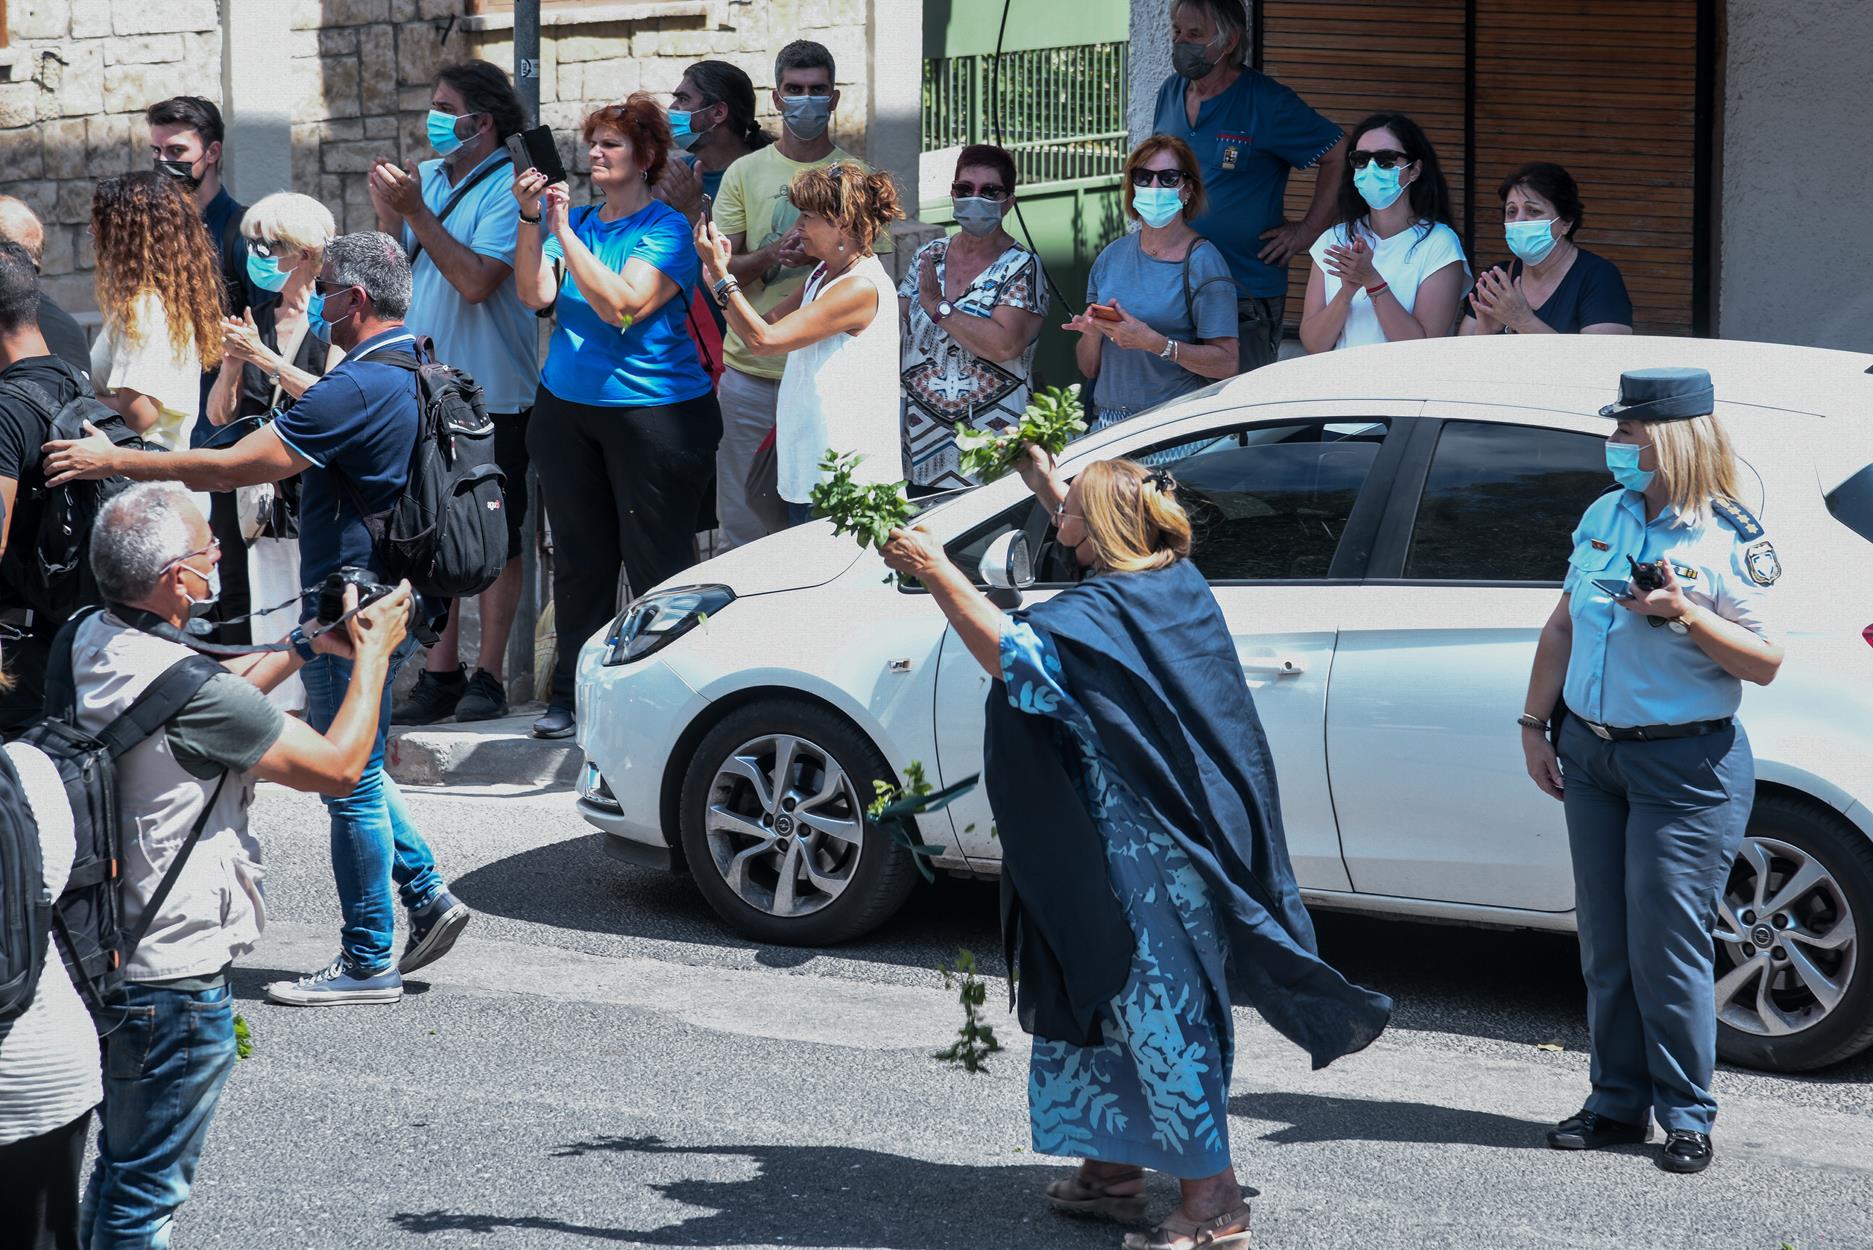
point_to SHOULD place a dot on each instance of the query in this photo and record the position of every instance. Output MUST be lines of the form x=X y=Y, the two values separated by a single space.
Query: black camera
x=332 y=592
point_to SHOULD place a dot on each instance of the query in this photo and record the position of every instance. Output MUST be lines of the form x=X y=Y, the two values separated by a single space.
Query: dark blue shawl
x=1150 y=659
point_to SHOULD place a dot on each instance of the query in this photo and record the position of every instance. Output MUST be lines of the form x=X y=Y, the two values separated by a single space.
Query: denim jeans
x=164 y=1067
x=374 y=841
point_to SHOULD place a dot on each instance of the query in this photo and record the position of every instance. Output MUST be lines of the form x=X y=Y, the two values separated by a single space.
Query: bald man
x=63 y=335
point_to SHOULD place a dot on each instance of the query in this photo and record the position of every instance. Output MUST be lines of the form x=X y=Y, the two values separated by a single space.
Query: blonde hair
x=1132 y=516
x=298 y=221
x=1695 y=459
x=860 y=203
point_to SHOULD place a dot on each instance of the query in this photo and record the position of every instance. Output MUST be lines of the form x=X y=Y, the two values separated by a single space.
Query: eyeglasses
x=1388 y=158
x=325 y=286
x=1060 y=513
x=1163 y=177
x=969 y=191
x=214 y=545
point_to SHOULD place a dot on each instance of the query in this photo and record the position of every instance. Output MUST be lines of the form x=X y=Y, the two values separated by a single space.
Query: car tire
x=724 y=815
x=1788 y=837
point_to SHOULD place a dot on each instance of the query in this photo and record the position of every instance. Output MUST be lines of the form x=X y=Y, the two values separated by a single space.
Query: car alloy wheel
x=784 y=825
x=1787 y=946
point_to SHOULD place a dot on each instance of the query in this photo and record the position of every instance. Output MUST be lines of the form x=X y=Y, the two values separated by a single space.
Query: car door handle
x=1280 y=665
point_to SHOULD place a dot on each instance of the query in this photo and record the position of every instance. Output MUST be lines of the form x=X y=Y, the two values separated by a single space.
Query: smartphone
x=1100 y=312
x=1617 y=589
x=535 y=149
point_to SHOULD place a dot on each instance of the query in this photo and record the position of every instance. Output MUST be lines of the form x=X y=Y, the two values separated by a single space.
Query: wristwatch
x=1531 y=722
x=1681 y=624
x=944 y=309
x=302 y=646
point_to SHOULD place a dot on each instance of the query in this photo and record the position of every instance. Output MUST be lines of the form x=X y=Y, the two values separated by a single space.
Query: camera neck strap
x=150 y=623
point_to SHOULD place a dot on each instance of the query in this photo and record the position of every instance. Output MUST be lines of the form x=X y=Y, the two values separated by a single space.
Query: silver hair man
x=373 y=260
x=139 y=535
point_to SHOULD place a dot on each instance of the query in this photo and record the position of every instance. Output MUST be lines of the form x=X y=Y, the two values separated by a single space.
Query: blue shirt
x=496 y=342
x=654 y=361
x=1625 y=672
x=1246 y=140
x=359 y=421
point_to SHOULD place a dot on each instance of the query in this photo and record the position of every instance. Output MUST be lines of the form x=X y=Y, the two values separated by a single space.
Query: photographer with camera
x=170 y=1039
x=351 y=436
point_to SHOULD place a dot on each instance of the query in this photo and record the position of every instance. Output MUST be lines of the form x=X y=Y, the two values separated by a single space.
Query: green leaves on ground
x=975 y=1041
x=869 y=512
x=243 y=1038
x=1051 y=421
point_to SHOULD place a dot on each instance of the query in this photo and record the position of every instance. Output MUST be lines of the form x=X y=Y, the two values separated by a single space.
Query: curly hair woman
x=159 y=287
x=1146 y=873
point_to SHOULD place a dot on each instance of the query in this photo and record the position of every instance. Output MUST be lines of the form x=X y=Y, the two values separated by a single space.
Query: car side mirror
x=1007 y=568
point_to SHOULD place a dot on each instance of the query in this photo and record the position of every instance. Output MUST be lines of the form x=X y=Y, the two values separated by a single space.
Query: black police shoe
x=485 y=698
x=557 y=722
x=1685 y=1151
x=431 y=699
x=1589 y=1130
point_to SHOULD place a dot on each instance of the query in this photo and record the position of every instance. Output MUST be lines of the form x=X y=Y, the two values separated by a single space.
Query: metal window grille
x=1062 y=110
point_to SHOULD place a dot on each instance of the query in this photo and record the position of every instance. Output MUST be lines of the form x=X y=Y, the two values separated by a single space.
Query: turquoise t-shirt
x=591 y=361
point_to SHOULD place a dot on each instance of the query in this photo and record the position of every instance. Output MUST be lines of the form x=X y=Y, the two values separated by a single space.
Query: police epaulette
x=1736 y=516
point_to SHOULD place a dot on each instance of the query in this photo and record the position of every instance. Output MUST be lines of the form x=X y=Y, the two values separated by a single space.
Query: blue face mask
x=680 y=131
x=442 y=136
x=1380 y=187
x=316 y=324
x=1157 y=206
x=1622 y=460
x=1531 y=241
x=265 y=272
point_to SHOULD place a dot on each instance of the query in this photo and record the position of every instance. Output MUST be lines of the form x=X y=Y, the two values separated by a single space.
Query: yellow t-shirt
x=753 y=202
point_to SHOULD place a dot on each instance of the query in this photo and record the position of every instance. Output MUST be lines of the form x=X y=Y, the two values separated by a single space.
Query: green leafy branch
x=975 y=1040
x=870 y=512
x=1053 y=419
x=243 y=1039
x=892 y=803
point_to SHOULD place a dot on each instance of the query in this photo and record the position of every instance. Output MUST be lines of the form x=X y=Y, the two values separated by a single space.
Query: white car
x=1386 y=530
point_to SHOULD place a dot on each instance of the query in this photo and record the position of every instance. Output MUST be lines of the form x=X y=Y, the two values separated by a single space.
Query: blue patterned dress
x=1156 y=1093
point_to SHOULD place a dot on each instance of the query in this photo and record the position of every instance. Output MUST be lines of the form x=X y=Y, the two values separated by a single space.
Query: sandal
x=1179 y=1233
x=1075 y=1195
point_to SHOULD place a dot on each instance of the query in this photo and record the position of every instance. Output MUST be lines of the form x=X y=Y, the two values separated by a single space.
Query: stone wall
x=355 y=78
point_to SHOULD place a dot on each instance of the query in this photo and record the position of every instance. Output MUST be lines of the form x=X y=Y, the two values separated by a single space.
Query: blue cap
x=1662 y=395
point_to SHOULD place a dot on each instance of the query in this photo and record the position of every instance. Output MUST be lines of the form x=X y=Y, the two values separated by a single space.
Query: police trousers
x=1653 y=828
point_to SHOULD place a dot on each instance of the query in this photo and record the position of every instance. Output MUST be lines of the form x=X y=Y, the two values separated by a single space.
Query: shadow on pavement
x=824 y=1196
x=1315 y=1118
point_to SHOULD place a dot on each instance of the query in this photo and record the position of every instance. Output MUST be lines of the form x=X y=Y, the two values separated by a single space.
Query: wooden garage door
x=1606 y=88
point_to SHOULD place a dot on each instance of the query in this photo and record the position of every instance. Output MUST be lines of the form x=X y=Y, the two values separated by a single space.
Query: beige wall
x=314 y=90
x=1795 y=262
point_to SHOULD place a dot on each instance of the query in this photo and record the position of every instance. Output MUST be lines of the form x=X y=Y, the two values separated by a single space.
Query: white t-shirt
x=842 y=393
x=1405 y=260
x=152 y=366
x=49 y=1057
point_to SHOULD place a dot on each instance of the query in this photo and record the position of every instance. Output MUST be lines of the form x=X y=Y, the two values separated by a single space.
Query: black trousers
x=39 y=1188
x=622 y=488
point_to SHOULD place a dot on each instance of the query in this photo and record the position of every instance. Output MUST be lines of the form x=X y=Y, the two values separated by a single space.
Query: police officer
x=1652 y=765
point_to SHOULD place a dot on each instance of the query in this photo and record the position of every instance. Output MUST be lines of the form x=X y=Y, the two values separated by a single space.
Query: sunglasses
x=987 y=191
x=1388 y=158
x=267 y=248
x=1163 y=177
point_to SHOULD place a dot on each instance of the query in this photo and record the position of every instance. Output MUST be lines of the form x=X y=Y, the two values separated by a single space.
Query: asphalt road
x=599 y=1064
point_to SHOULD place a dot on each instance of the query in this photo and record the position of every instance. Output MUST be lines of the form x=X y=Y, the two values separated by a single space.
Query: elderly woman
x=1553 y=286
x=1143 y=846
x=271 y=356
x=972 y=304
x=1161 y=307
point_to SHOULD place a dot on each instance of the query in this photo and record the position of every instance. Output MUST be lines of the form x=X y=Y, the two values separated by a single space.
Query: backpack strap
x=455 y=197
x=158 y=704
x=135 y=935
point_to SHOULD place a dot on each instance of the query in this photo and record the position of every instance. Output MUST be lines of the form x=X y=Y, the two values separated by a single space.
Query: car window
x=1852 y=503
x=1501 y=501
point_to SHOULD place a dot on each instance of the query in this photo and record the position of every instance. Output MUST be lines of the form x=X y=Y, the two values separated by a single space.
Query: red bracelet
x=1373 y=292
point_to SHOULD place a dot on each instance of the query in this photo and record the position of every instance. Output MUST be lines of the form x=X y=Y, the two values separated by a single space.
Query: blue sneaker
x=433 y=929
x=338 y=985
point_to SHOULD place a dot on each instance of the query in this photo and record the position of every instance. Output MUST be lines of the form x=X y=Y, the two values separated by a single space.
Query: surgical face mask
x=1192 y=60
x=977 y=215
x=1622 y=460
x=1380 y=187
x=1157 y=206
x=805 y=116
x=442 y=136
x=265 y=272
x=203 y=606
x=680 y=131
x=182 y=171
x=1531 y=241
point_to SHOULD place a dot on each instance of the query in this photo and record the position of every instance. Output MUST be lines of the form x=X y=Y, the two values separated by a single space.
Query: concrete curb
x=499 y=752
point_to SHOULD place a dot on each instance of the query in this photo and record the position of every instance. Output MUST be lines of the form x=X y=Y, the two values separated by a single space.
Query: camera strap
x=150 y=623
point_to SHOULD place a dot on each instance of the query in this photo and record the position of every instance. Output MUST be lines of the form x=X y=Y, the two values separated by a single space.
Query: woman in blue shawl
x=1145 y=873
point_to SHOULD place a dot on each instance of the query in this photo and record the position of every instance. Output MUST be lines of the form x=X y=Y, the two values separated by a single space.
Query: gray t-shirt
x=227 y=725
x=1154 y=291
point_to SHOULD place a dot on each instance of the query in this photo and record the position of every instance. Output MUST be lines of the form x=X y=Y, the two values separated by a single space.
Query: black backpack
x=448 y=532
x=88 y=916
x=25 y=906
x=56 y=576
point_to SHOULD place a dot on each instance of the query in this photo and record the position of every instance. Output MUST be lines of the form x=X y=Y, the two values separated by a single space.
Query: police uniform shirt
x=1622 y=671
